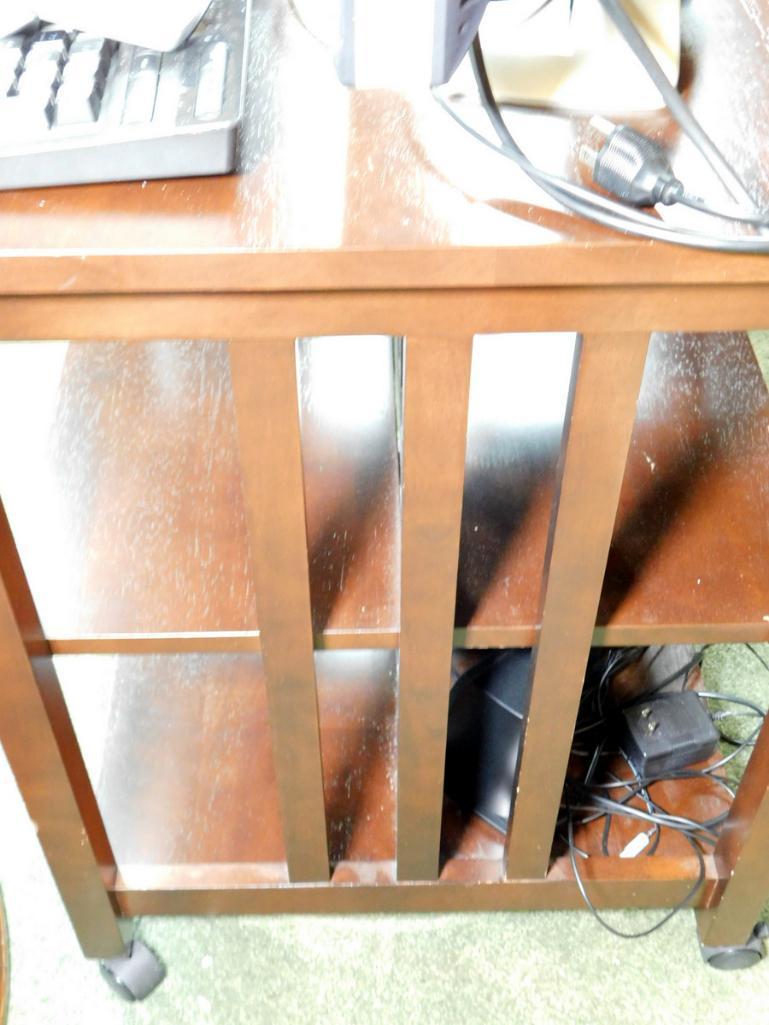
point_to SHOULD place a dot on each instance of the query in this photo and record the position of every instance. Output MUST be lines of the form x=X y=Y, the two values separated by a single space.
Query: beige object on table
x=580 y=62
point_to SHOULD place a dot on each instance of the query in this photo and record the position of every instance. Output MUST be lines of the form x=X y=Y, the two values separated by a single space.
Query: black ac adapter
x=666 y=733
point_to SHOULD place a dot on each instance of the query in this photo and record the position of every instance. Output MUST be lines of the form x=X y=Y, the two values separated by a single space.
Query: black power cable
x=586 y=202
x=684 y=903
x=675 y=103
x=586 y=798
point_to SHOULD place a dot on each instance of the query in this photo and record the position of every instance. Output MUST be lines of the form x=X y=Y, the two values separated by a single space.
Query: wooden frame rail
x=437 y=388
x=438 y=327
x=264 y=384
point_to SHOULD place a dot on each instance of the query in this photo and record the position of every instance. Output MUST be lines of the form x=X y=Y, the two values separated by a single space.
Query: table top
x=374 y=189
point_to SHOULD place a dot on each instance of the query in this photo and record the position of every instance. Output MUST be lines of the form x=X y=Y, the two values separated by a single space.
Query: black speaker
x=487 y=705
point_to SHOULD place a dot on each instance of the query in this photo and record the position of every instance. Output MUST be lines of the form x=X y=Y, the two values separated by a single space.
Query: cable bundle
x=597 y=792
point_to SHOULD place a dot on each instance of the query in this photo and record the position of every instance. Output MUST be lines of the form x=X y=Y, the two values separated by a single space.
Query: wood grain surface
x=180 y=755
x=375 y=189
x=42 y=749
x=178 y=750
x=741 y=856
x=598 y=425
x=437 y=387
x=356 y=212
x=270 y=446
x=132 y=529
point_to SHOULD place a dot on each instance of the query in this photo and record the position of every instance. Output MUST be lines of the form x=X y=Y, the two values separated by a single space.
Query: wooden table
x=225 y=591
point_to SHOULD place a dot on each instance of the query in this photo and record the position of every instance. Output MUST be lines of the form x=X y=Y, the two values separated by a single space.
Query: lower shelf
x=179 y=754
x=178 y=751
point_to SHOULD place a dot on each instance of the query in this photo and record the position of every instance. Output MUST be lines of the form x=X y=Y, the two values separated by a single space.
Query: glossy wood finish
x=265 y=392
x=400 y=196
x=519 y=391
x=178 y=750
x=180 y=755
x=44 y=756
x=407 y=229
x=741 y=857
x=134 y=523
x=437 y=386
x=599 y=421
x=611 y=882
x=136 y=541
x=693 y=503
x=253 y=316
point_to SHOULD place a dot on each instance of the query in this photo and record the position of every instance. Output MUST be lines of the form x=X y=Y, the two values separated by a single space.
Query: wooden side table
x=254 y=741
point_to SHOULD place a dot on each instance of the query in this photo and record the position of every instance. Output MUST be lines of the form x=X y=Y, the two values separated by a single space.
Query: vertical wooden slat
x=40 y=744
x=742 y=856
x=597 y=431
x=267 y=409
x=434 y=430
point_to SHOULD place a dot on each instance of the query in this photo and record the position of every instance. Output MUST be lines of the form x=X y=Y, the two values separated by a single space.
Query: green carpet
x=422 y=970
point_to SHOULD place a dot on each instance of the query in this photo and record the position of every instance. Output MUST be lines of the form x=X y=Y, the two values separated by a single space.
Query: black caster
x=743 y=955
x=134 y=974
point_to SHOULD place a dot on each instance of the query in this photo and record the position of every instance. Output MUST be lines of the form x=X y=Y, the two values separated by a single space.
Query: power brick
x=667 y=732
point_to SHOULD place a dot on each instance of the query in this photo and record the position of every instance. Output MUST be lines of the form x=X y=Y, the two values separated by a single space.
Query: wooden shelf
x=691 y=541
x=178 y=750
x=132 y=521
x=132 y=529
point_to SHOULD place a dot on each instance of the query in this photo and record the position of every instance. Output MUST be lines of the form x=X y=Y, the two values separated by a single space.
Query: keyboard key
x=142 y=87
x=7 y=80
x=43 y=50
x=62 y=92
x=25 y=118
x=18 y=19
x=10 y=62
x=84 y=43
x=39 y=79
x=84 y=67
x=91 y=51
x=11 y=53
x=213 y=71
x=77 y=106
x=54 y=37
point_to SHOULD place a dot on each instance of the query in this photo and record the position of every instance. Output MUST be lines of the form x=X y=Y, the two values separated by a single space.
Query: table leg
x=742 y=856
x=597 y=431
x=41 y=747
x=267 y=409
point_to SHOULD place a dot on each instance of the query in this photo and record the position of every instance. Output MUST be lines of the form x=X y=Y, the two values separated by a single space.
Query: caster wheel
x=743 y=955
x=134 y=974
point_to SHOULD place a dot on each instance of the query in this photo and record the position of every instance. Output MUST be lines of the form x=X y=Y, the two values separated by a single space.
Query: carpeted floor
x=423 y=970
